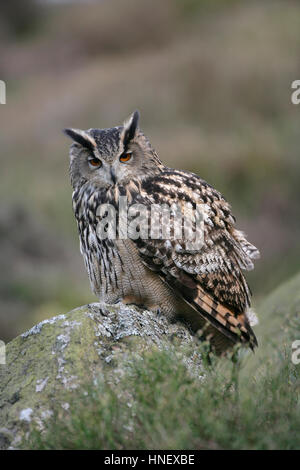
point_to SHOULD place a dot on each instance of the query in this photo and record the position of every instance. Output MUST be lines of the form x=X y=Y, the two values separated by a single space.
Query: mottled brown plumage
x=204 y=286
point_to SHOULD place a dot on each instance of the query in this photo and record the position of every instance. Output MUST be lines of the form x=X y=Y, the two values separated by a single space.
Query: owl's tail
x=235 y=326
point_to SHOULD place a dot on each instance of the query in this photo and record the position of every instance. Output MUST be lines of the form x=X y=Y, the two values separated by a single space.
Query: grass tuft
x=158 y=404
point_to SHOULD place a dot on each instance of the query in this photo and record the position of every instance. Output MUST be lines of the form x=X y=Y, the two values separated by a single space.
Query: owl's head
x=112 y=156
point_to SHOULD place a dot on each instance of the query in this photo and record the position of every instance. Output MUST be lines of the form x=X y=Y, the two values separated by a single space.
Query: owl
x=203 y=286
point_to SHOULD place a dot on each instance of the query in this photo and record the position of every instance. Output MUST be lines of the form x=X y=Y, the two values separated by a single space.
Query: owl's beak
x=113 y=175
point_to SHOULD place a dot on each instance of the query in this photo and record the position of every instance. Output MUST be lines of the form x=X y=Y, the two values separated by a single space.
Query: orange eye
x=95 y=162
x=125 y=157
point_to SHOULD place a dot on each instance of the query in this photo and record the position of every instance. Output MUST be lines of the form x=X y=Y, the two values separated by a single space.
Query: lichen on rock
x=58 y=355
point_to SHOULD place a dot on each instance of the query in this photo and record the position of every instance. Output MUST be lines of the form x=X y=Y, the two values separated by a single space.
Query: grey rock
x=58 y=355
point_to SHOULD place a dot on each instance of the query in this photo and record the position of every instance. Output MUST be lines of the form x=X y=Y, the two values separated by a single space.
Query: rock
x=278 y=312
x=57 y=355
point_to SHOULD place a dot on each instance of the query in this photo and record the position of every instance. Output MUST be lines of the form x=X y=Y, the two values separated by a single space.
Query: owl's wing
x=208 y=277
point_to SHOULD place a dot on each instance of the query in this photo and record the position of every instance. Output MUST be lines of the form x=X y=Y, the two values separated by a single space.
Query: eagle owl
x=205 y=287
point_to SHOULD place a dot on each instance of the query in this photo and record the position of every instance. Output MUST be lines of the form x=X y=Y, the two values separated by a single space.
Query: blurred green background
x=212 y=81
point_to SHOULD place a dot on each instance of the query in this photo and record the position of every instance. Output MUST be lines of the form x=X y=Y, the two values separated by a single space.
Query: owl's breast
x=117 y=273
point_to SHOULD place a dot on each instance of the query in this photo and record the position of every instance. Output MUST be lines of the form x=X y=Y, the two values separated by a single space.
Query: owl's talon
x=158 y=312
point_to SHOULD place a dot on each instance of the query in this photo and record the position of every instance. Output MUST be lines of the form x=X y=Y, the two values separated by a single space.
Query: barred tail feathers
x=233 y=325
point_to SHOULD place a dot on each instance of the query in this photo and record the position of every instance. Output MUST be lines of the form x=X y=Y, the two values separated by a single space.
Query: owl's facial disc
x=111 y=156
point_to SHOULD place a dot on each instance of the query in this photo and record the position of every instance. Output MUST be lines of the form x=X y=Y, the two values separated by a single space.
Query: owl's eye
x=125 y=157
x=95 y=162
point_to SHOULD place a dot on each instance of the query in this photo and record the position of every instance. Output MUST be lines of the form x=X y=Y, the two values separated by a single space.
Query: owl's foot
x=159 y=312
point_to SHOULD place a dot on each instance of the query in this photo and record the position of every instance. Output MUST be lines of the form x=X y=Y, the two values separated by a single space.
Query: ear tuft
x=81 y=137
x=130 y=127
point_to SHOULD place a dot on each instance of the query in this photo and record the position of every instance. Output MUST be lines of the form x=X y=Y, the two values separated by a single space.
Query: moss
x=118 y=377
x=279 y=324
x=60 y=355
x=251 y=403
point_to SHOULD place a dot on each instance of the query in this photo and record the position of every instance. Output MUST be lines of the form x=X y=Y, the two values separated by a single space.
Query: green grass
x=252 y=403
x=158 y=405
